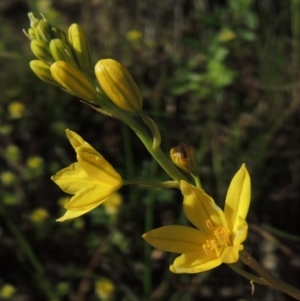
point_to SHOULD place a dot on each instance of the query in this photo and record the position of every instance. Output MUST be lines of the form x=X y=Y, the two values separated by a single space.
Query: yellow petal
x=176 y=239
x=238 y=198
x=71 y=179
x=231 y=254
x=97 y=167
x=75 y=139
x=241 y=233
x=195 y=263
x=89 y=197
x=72 y=214
x=200 y=207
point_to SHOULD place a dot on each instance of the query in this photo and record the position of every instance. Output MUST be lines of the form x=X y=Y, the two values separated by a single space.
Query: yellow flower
x=219 y=235
x=16 y=109
x=39 y=215
x=104 y=288
x=91 y=180
x=133 y=35
x=7 y=291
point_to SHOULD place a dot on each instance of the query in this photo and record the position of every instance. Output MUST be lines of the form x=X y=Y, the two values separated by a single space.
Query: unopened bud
x=118 y=85
x=41 y=50
x=43 y=31
x=30 y=34
x=73 y=80
x=33 y=20
x=58 y=34
x=42 y=70
x=183 y=156
x=80 y=46
x=61 y=51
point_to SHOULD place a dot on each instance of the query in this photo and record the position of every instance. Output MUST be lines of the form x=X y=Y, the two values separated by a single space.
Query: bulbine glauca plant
x=217 y=236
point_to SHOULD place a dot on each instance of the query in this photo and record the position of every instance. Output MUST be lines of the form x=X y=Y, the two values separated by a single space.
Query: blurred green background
x=220 y=75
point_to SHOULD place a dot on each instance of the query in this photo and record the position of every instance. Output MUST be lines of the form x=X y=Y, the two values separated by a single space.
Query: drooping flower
x=218 y=235
x=91 y=180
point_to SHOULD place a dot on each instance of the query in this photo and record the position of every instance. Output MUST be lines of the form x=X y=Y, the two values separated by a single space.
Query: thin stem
x=150 y=183
x=156 y=152
x=268 y=277
x=247 y=275
x=197 y=181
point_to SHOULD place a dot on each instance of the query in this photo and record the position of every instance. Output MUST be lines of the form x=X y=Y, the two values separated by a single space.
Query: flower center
x=221 y=239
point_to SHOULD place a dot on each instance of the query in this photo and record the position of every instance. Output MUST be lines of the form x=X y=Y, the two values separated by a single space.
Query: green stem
x=155 y=184
x=147 y=248
x=268 y=277
x=237 y=269
x=128 y=151
x=39 y=270
x=156 y=152
x=197 y=181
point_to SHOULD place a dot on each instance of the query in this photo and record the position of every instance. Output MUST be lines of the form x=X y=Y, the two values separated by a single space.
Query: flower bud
x=80 y=46
x=58 y=34
x=30 y=34
x=33 y=20
x=73 y=80
x=42 y=70
x=43 y=31
x=41 y=50
x=118 y=85
x=61 y=51
x=183 y=156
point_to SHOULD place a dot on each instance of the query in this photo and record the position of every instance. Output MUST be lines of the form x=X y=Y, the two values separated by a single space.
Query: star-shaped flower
x=218 y=235
x=91 y=180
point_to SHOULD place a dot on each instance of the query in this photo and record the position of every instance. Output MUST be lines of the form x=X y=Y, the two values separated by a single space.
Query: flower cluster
x=64 y=60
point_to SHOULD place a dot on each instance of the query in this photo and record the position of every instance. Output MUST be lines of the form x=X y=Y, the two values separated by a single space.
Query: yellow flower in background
x=113 y=203
x=8 y=178
x=227 y=35
x=133 y=35
x=104 y=288
x=35 y=162
x=39 y=215
x=92 y=180
x=16 y=110
x=218 y=235
x=7 y=291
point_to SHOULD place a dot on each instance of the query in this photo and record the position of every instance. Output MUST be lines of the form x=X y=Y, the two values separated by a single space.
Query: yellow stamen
x=222 y=239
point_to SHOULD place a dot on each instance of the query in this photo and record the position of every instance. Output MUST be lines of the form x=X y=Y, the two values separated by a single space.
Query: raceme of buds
x=80 y=46
x=118 y=85
x=42 y=70
x=183 y=156
x=41 y=50
x=61 y=51
x=73 y=80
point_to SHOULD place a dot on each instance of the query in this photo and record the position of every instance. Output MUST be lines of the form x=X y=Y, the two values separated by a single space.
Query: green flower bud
x=58 y=34
x=73 y=80
x=118 y=85
x=33 y=20
x=43 y=31
x=30 y=34
x=41 y=50
x=183 y=156
x=42 y=70
x=80 y=46
x=61 y=51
